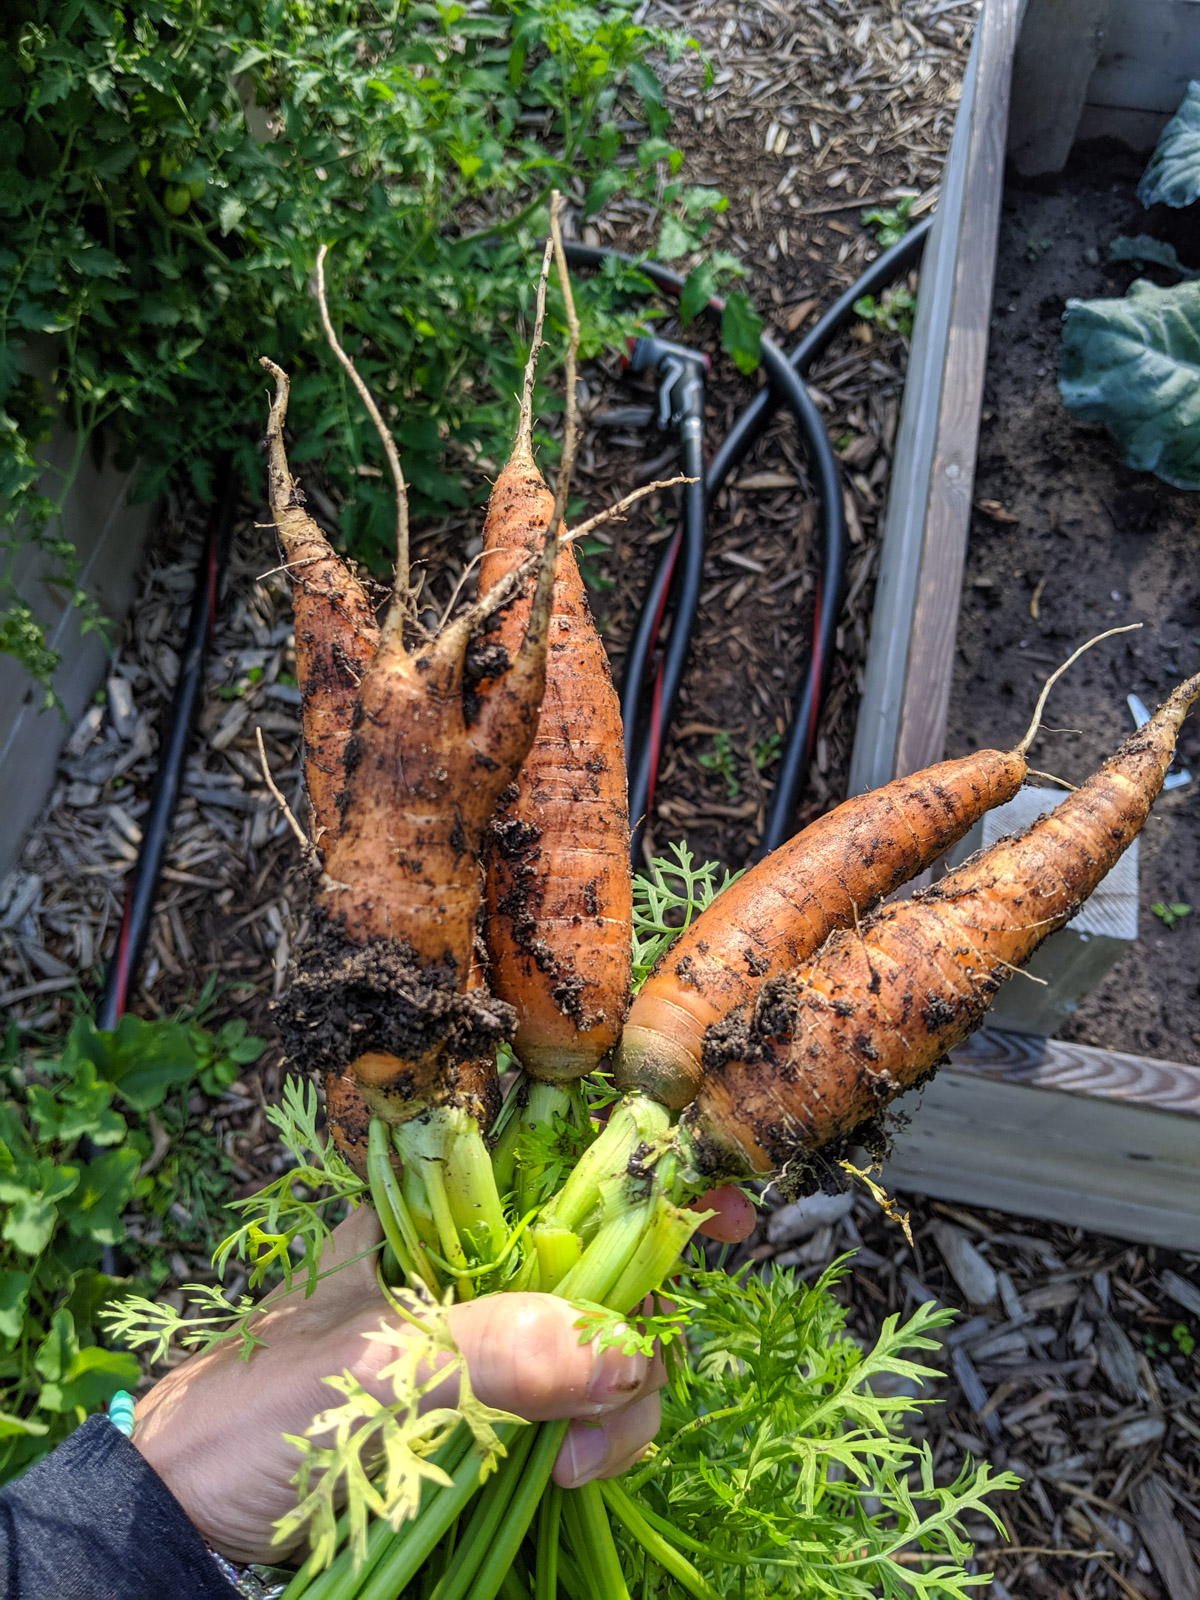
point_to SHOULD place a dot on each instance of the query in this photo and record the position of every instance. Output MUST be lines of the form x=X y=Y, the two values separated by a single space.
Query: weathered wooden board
x=108 y=535
x=1058 y=47
x=921 y=737
x=935 y=449
x=1087 y=1137
x=1151 y=52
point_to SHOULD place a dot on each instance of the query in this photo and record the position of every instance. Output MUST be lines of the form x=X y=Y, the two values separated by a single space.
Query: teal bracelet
x=120 y=1412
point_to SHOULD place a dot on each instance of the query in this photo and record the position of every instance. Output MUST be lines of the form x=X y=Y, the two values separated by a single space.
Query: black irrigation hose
x=168 y=780
x=785 y=386
x=689 y=540
x=753 y=420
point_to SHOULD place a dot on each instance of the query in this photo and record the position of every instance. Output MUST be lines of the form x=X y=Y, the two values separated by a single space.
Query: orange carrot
x=438 y=733
x=782 y=910
x=821 y=1051
x=559 y=892
x=336 y=631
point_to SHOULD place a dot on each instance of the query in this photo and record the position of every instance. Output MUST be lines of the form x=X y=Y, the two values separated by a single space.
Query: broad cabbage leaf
x=1173 y=175
x=1134 y=365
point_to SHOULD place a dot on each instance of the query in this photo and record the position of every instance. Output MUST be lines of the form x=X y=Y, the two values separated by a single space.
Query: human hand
x=213 y=1428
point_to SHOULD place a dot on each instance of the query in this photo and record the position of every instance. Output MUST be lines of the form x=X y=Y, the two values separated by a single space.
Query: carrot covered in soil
x=785 y=907
x=440 y=728
x=336 y=631
x=559 y=889
x=821 y=1051
x=782 y=910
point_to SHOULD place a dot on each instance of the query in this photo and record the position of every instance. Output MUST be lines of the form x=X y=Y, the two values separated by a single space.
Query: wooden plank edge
x=921 y=733
x=1110 y=1167
x=872 y=761
x=1081 y=1069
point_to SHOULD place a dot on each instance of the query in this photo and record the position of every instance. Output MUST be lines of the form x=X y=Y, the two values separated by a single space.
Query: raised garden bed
x=1104 y=1120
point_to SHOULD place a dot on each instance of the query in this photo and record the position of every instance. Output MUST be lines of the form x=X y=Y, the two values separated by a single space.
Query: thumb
x=524 y=1355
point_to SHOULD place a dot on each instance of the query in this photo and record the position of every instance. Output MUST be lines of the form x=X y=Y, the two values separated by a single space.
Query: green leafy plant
x=665 y=901
x=720 y=759
x=766 y=751
x=1143 y=250
x=1170 y=914
x=892 y=311
x=1035 y=249
x=168 y=175
x=1173 y=175
x=784 y=1464
x=891 y=223
x=1129 y=363
x=79 y=1149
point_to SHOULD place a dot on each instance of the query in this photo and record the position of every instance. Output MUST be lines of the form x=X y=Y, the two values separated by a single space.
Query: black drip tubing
x=785 y=386
x=688 y=541
x=168 y=780
x=748 y=428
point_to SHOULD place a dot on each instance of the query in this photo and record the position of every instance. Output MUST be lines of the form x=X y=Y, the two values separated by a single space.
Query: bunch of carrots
x=469 y=847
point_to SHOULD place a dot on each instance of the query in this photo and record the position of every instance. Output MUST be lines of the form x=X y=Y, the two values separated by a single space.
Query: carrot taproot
x=336 y=630
x=440 y=729
x=783 y=909
x=820 y=1051
x=559 y=893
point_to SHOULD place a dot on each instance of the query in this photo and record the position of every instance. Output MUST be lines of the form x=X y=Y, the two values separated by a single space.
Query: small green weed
x=720 y=759
x=766 y=751
x=891 y=312
x=1170 y=914
x=891 y=223
x=1035 y=249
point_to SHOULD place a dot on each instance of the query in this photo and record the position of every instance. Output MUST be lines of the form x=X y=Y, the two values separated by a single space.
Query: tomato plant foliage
x=168 y=169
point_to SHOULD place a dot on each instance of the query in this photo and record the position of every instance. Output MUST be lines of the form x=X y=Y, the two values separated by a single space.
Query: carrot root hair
x=1032 y=733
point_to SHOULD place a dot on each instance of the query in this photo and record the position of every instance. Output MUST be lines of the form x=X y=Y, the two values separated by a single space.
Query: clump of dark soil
x=1065 y=542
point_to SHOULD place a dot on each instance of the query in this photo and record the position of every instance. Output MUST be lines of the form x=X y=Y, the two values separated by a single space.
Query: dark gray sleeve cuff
x=94 y=1521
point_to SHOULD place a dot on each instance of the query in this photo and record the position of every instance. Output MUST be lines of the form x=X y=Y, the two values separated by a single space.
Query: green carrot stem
x=653 y=1543
x=558 y=1250
x=655 y=1254
x=545 y=1103
x=471 y=1185
x=413 y=1545
x=600 y=1555
x=605 y=1259
x=572 y=1579
x=512 y=1588
x=605 y=1158
x=576 y=1571
x=549 y=1520
x=342 y=1579
x=394 y=1215
x=486 y=1518
x=521 y=1512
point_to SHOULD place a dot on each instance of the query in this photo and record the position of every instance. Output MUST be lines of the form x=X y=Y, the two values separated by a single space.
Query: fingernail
x=585 y=1450
x=615 y=1375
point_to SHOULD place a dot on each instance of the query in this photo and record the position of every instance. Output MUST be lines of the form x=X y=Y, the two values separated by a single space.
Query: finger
x=735 y=1216
x=524 y=1355
x=605 y=1449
